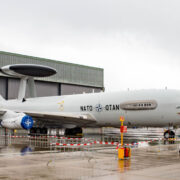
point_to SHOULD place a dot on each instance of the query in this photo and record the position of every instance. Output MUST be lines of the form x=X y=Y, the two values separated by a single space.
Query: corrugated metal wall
x=67 y=73
x=3 y=87
x=47 y=89
x=10 y=86
x=13 y=88
x=67 y=89
x=42 y=88
x=70 y=78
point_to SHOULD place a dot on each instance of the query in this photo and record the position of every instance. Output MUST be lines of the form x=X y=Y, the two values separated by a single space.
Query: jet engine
x=14 y=120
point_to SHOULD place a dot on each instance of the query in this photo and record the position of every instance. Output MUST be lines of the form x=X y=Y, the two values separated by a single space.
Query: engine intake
x=13 y=120
x=27 y=122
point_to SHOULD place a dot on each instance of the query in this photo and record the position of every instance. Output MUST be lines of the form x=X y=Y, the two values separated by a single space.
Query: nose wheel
x=169 y=134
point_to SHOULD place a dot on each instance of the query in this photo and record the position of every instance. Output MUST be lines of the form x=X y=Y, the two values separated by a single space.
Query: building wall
x=9 y=88
x=70 y=78
x=47 y=89
x=42 y=88
x=3 y=87
x=67 y=89
x=13 y=88
x=67 y=73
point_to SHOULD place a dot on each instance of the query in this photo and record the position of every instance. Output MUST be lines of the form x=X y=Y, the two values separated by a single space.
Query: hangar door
x=47 y=88
x=42 y=88
x=67 y=89
x=13 y=88
x=3 y=87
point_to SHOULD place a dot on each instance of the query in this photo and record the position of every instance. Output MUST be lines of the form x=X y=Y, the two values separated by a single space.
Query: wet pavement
x=28 y=159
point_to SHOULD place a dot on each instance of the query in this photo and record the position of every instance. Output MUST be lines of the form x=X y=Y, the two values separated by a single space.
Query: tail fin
x=1 y=98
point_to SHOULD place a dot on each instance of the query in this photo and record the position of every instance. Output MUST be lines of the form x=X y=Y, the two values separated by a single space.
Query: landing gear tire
x=77 y=132
x=38 y=131
x=169 y=134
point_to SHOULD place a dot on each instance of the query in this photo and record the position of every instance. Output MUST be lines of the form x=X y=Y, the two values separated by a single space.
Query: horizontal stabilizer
x=2 y=112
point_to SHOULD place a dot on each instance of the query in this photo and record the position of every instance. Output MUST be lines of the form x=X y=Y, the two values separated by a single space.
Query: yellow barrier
x=121 y=153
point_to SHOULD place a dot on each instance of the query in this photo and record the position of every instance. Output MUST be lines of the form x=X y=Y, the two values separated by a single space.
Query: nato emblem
x=99 y=108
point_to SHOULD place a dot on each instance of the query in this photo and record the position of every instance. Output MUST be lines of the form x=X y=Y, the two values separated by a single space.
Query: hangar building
x=70 y=78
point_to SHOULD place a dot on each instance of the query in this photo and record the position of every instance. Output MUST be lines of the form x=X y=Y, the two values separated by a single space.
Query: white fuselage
x=105 y=107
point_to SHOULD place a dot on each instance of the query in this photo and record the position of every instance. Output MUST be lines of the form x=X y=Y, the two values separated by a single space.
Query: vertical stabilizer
x=1 y=98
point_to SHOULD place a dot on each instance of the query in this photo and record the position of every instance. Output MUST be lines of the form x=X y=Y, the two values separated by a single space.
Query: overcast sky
x=137 y=42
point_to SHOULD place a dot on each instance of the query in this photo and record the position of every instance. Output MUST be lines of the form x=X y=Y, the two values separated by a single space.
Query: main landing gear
x=38 y=131
x=77 y=132
x=73 y=132
x=169 y=134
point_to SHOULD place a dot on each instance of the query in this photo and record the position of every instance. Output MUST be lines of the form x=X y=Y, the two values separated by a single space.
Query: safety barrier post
x=123 y=152
x=121 y=149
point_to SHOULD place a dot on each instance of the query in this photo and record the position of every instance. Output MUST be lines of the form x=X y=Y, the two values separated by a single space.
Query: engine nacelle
x=13 y=120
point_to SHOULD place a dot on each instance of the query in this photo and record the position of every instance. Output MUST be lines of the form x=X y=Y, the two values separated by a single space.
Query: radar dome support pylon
x=27 y=72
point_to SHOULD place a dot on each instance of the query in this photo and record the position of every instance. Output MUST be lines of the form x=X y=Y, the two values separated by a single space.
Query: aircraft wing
x=59 y=119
